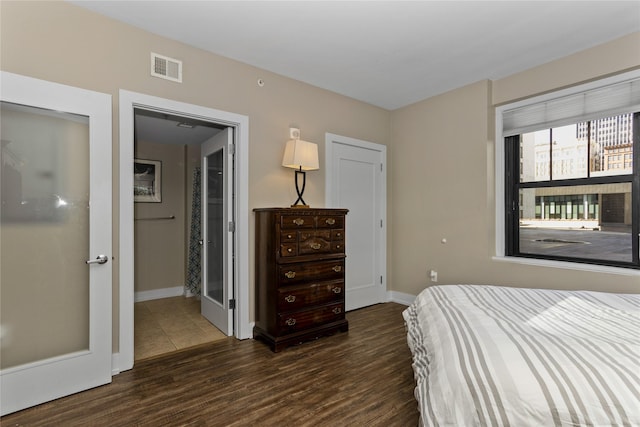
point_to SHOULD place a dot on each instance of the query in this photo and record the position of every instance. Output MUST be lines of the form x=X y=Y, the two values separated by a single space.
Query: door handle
x=100 y=259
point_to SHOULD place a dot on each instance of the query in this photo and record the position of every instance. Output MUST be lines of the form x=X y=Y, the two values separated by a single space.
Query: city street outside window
x=573 y=192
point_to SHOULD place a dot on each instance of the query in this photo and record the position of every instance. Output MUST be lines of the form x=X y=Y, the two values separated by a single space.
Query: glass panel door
x=55 y=237
x=217 y=213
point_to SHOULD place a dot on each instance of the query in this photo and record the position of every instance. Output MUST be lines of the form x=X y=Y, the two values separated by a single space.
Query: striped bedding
x=499 y=356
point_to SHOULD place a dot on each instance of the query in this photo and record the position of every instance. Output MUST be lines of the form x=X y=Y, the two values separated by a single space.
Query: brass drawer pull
x=338 y=234
x=291 y=321
x=289 y=236
x=337 y=310
x=298 y=221
x=337 y=246
x=290 y=274
x=316 y=246
x=337 y=290
x=290 y=298
x=337 y=268
x=330 y=221
x=289 y=250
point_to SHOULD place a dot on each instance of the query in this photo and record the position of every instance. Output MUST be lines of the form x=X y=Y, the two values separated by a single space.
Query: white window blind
x=591 y=104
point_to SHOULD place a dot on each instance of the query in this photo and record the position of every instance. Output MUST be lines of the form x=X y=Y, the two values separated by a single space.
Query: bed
x=498 y=356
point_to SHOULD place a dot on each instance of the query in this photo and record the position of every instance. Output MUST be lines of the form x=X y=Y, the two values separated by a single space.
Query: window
x=571 y=179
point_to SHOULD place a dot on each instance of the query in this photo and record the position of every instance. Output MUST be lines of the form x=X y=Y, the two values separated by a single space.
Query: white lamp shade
x=301 y=155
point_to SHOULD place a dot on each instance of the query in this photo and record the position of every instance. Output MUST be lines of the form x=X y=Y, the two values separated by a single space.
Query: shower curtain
x=195 y=249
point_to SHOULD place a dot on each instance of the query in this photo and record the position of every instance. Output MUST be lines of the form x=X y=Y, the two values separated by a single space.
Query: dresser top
x=304 y=211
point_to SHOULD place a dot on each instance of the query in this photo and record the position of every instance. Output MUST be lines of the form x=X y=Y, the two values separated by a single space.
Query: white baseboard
x=115 y=364
x=158 y=294
x=188 y=293
x=400 y=298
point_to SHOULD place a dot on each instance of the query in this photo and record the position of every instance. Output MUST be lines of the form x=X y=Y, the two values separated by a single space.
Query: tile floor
x=170 y=324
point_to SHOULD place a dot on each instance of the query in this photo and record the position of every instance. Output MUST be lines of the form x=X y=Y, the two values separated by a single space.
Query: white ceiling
x=386 y=53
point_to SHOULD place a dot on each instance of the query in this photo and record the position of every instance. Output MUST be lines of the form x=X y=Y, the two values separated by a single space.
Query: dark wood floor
x=359 y=378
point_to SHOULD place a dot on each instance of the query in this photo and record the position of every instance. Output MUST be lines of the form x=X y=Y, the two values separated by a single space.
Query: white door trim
x=128 y=102
x=329 y=140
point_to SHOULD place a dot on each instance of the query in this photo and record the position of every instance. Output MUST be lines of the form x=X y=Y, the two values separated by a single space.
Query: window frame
x=507 y=157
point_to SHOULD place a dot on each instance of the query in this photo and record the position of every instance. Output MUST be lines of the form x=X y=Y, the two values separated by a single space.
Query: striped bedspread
x=499 y=356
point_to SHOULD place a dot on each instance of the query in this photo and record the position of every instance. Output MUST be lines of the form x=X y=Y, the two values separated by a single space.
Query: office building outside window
x=574 y=191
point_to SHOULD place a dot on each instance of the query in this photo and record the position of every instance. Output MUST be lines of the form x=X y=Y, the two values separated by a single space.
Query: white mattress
x=494 y=356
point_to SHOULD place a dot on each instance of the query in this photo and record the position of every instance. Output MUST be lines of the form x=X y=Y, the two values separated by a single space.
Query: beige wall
x=167 y=266
x=444 y=180
x=601 y=61
x=442 y=190
x=160 y=245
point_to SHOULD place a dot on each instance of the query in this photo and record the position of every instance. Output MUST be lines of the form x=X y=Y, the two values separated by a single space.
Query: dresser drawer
x=311 y=271
x=337 y=235
x=288 y=249
x=301 y=296
x=330 y=221
x=289 y=236
x=304 y=319
x=337 y=247
x=294 y=222
x=314 y=242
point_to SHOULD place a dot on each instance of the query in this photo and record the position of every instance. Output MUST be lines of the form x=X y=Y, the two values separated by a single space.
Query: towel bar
x=156 y=218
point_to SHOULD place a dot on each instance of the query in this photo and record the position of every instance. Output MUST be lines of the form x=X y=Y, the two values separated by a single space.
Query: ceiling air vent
x=166 y=68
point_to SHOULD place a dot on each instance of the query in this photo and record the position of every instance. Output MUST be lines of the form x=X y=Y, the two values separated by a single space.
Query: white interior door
x=55 y=238
x=356 y=181
x=217 y=231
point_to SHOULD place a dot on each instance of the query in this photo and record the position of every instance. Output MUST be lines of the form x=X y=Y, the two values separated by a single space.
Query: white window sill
x=568 y=265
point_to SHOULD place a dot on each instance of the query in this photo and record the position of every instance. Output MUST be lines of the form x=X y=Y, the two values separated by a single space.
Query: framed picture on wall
x=147 y=181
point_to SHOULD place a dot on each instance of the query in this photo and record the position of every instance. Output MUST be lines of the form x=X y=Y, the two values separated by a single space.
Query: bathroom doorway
x=128 y=101
x=167 y=233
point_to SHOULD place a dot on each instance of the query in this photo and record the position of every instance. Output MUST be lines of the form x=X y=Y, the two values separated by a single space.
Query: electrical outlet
x=433 y=275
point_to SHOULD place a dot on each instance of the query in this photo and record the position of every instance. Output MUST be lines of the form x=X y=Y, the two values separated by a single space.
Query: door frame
x=128 y=101
x=329 y=140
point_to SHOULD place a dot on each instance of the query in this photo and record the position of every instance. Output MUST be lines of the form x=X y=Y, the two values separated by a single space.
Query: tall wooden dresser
x=300 y=271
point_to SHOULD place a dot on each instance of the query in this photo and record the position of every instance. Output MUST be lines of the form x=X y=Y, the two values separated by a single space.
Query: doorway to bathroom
x=170 y=237
x=240 y=325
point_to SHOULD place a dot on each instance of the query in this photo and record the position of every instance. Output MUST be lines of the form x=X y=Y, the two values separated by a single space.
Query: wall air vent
x=166 y=68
